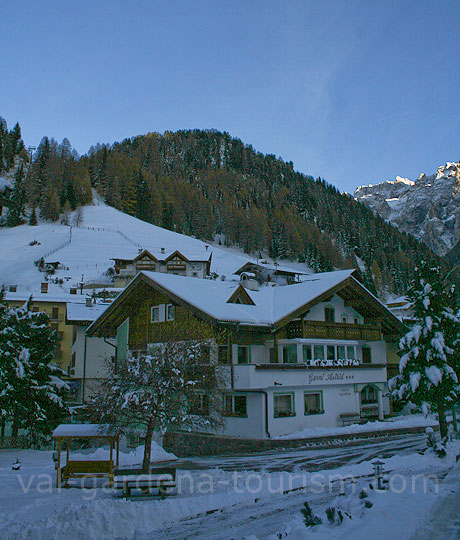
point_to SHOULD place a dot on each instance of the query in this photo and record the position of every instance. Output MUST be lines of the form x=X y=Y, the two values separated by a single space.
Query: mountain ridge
x=205 y=183
x=427 y=208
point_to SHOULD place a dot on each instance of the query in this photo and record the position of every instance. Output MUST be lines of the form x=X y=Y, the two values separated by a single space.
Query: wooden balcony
x=324 y=330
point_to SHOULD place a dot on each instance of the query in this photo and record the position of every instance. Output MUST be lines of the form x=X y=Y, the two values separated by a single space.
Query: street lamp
x=378 y=472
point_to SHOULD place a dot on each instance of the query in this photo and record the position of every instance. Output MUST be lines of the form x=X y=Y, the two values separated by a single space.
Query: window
x=169 y=312
x=313 y=402
x=368 y=395
x=235 y=405
x=35 y=309
x=306 y=353
x=155 y=317
x=341 y=352
x=222 y=354
x=55 y=312
x=271 y=354
x=329 y=314
x=330 y=349
x=289 y=354
x=283 y=405
x=73 y=360
x=205 y=351
x=367 y=356
x=350 y=353
x=319 y=352
x=344 y=318
x=74 y=334
x=243 y=354
x=199 y=404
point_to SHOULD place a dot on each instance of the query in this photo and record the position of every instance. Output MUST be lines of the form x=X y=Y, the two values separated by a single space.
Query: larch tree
x=429 y=366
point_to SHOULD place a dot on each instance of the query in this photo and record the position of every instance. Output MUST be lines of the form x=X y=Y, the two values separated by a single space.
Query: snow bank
x=399 y=422
x=131 y=458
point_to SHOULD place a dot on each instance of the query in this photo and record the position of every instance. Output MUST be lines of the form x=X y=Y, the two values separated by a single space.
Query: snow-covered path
x=312 y=459
x=443 y=522
x=268 y=514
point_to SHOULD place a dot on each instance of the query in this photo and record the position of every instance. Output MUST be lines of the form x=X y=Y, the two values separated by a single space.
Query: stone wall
x=186 y=444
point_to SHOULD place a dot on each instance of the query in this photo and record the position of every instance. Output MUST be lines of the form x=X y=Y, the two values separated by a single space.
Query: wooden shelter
x=90 y=468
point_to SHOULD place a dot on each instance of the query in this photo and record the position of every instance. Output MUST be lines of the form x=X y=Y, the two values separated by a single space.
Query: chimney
x=206 y=247
x=162 y=250
x=88 y=302
x=248 y=281
x=44 y=287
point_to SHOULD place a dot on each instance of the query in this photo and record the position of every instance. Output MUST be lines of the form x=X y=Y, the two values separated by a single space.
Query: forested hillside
x=203 y=183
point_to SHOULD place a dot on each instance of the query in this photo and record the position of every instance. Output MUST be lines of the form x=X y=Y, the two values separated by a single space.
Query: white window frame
x=321 y=403
x=168 y=306
x=152 y=319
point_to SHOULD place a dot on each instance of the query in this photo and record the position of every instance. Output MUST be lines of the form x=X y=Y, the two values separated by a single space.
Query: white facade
x=356 y=383
x=339 y=390
x=91 y=358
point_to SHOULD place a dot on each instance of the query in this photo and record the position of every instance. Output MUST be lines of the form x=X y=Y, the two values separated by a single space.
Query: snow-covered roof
x=83 y=430
x=190 y=254
x=45 y=297
x=271 y=306
x=271 y=303
x=271 y=267
x=82 y=312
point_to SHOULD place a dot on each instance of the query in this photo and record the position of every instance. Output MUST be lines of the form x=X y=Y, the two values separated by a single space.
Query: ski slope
x=86 y=251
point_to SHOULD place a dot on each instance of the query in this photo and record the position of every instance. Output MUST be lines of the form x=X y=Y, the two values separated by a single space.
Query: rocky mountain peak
x=428 y=208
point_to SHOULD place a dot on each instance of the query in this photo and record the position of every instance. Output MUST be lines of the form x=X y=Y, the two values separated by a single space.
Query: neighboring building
x=402 y=308
x=55 y=306
x=192 y=264
x=265 y=273
x=90 y=357
x=294 y=357
x=70 y=314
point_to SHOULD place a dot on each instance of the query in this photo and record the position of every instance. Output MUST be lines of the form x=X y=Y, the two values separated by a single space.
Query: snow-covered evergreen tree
x=171 y=385
x=428 y=368
x=31 y=391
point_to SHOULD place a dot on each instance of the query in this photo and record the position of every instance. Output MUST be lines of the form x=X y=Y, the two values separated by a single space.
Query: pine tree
x=18 y=199
x=33 y=217
x=31 y=392
x=427 y=369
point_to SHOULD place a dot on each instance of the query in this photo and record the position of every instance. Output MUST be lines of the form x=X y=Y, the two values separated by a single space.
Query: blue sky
x=352 y=91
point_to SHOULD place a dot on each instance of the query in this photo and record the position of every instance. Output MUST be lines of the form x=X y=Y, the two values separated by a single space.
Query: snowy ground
x=243 y=502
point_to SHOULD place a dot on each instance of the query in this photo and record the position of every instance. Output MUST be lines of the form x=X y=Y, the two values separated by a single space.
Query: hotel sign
x=331 y=377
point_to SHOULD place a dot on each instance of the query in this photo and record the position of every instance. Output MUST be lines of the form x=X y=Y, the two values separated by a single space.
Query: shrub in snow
x=429 y=364
x=335 y=517
x=309 y=519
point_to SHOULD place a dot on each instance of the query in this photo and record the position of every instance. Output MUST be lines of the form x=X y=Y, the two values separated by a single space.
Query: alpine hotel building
x=309 y=354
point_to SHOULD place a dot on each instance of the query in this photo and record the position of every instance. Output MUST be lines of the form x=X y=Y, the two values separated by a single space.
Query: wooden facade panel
x=184 y=326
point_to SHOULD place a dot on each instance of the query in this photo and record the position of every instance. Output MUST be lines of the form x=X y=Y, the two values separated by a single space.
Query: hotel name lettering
x=330 y=377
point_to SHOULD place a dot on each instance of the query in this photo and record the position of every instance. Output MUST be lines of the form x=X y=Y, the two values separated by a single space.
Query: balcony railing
x=324 y=330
